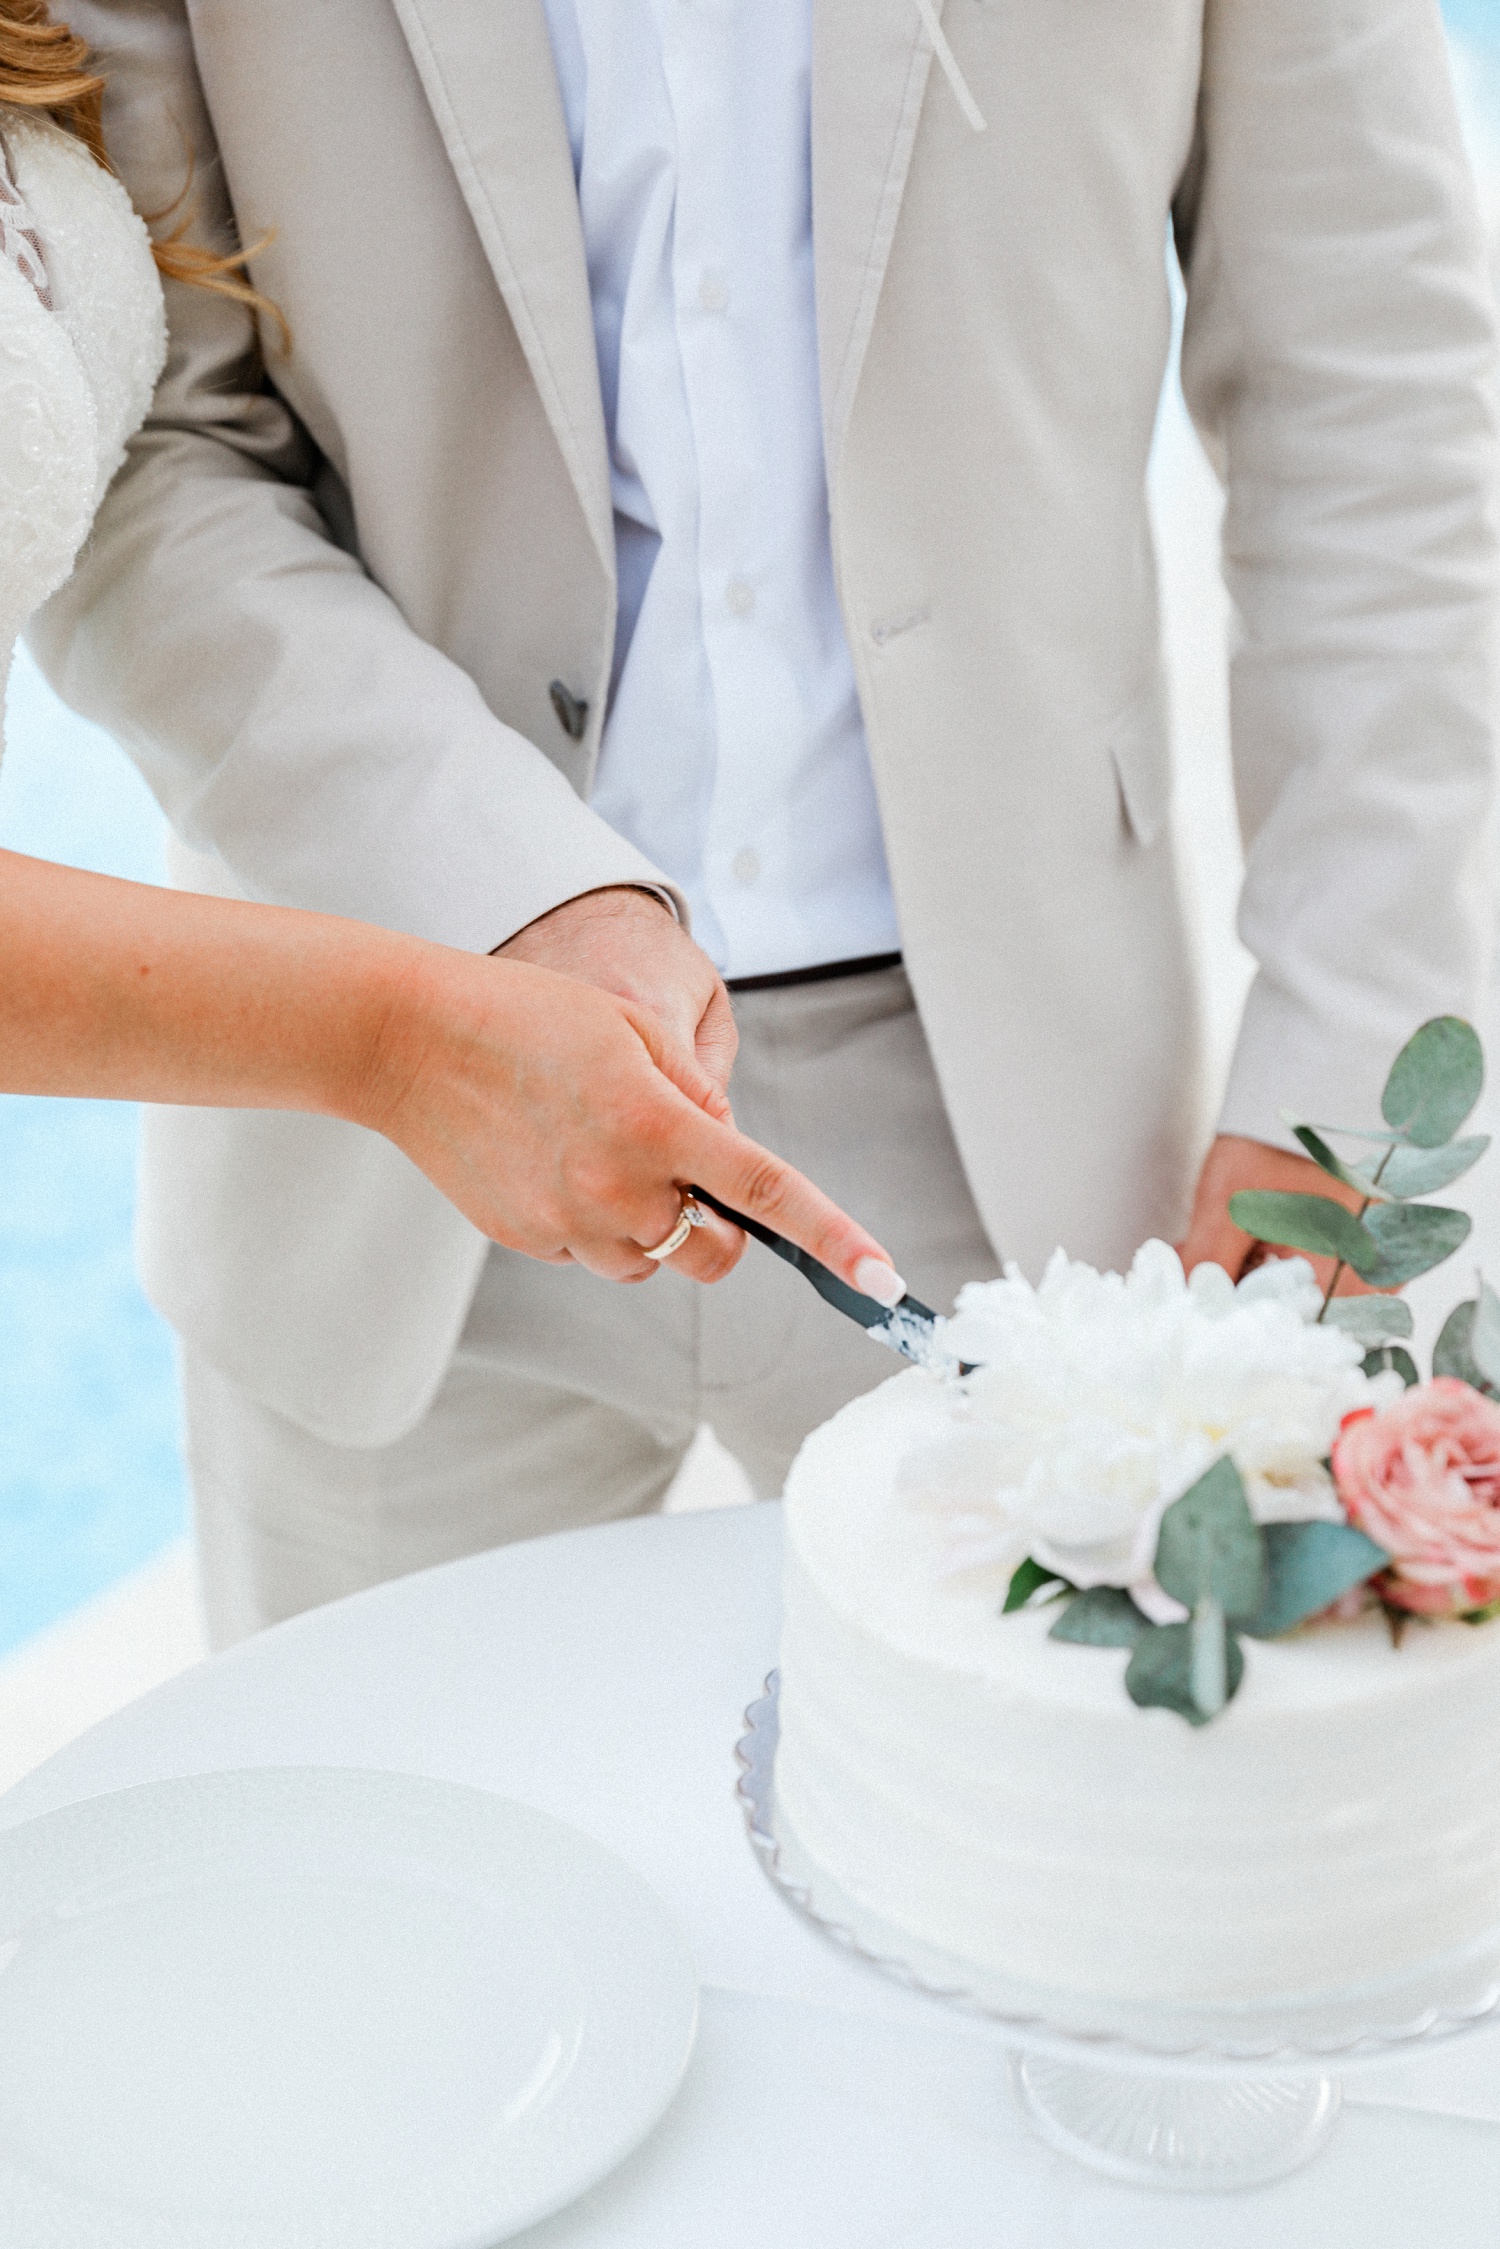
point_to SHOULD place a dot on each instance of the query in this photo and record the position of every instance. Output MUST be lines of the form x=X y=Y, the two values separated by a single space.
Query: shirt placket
x=735 y=552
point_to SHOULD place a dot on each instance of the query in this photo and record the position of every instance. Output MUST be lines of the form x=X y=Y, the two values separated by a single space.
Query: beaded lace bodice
x=82 y=340
x=19 y=239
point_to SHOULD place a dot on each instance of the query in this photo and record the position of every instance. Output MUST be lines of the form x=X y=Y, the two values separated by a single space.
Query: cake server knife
x=909 y=1327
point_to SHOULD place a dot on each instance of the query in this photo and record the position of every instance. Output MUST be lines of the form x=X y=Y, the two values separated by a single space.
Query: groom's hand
x=629 y=943
x=1231 y=1164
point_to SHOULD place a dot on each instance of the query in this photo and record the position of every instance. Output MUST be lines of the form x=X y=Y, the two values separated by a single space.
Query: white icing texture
x=997 y=1794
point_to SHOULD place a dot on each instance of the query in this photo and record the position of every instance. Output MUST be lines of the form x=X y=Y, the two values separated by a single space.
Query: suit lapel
x=486 y=67
x=870 y=66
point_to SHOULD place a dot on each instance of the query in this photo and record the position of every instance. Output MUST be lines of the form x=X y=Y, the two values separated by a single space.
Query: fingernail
x=873 y=1277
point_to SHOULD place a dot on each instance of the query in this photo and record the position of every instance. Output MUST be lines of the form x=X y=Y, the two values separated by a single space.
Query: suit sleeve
x=289 y=721
x=1339 y=360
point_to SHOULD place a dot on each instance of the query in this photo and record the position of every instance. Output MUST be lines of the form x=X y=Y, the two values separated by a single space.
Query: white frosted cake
x=996 y=1794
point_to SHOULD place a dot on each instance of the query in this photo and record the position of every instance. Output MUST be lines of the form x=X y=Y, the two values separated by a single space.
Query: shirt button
x=740 y=595
x=745 y=865
x=713 y=291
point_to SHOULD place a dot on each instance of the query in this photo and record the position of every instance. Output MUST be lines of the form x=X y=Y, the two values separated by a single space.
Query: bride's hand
x=564 y=1123
x=563 y=1119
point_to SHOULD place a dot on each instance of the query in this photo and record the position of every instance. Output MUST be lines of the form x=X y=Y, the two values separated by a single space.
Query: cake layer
x=998 y=1794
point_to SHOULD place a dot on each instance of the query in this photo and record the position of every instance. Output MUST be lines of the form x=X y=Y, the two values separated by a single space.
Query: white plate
x=321 y=2010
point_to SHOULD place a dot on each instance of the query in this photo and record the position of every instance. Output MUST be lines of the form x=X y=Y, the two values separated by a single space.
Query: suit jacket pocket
x=1143 y=764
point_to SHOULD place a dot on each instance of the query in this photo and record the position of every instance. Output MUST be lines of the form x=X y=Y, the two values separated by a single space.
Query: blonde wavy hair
x=44 y=66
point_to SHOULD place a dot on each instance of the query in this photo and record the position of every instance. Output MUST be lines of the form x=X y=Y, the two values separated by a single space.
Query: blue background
x=90 y=1481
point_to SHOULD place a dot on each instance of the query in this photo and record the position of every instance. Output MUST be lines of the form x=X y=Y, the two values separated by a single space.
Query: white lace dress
x=82 y=341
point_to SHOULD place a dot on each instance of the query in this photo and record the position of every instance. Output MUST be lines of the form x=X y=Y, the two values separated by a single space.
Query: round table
x=602 y=1675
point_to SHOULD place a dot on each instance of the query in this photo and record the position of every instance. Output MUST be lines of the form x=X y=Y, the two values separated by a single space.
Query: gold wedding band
x=693 y=1214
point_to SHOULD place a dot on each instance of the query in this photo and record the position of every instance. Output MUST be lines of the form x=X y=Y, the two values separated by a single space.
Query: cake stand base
x=1184 y=2135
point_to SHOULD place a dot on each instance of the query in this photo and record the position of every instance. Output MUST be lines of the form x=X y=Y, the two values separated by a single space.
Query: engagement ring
x=693 y=1214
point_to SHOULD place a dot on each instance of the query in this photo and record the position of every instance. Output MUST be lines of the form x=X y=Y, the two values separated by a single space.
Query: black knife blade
x=909 y=1327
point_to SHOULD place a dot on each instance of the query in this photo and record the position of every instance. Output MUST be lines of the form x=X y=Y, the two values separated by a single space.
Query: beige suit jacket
x=326 y=599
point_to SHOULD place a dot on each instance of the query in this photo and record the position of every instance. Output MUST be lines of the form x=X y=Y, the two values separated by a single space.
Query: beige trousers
x=572 y=1400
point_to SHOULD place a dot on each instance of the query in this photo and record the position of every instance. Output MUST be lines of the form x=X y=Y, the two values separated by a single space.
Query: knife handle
x=850 y=1301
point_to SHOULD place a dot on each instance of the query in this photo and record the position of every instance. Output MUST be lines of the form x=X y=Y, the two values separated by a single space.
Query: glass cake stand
x=1186 y=2099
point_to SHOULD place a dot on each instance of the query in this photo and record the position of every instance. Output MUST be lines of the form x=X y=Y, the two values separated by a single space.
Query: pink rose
x=1422 y=1478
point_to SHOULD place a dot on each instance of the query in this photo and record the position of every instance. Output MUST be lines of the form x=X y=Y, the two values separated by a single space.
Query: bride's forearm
x=562 y=1120
x=125 y=992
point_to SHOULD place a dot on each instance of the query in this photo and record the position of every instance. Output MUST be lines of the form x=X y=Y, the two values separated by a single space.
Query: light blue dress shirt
x=733 y=752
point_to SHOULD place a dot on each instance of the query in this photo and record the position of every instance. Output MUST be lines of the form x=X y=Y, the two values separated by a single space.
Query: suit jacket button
x=572 y=714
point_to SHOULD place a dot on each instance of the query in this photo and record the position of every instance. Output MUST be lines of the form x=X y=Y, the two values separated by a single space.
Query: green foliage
x=1210 y=1557
x=1209 y=1549
x=1229 y=1573
x=1161 y=1672
x=1402 y=1171
x=1469 y=1345
x=1029 y=1579
x=1435 y=1081
x=1451 y=1354
x=1370 y=1319
x=1389 y=1246
x=1422 y=1171
x=1317 y=1147
x=1208 y=1653
x=1102 y=1617
x=1232 y=1575
x=1484 y=1335
x=1308 y=1566
x=1386 y=1140
x=1306 y=1222
x=1410 y=1238
x=1389 y=1358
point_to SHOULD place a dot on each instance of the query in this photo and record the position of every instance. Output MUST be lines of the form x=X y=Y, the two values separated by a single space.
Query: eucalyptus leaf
x=1435 y=1081
x=1029 y=1578
x=1422 y=1171
x=1389 y=1358
x=1370 y=1319
x=1484 y=1335
x=1452 y=1354
x=1306 y=1222
x=1318 y=1148
x=1160 y=1672
x=1208 y=1547
x=1410 y=1238
x=1348 y=1132
x=1308 y=1565
x=1208 y=1661
x=1102 y=1617
x=1401 y=1171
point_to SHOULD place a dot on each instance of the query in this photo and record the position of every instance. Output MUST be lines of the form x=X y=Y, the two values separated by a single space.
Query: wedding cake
x=991 y=1789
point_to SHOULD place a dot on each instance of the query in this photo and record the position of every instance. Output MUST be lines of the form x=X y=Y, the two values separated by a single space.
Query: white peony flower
x=1099 y=1398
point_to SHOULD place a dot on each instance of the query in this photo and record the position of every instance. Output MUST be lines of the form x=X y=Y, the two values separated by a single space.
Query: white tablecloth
x=602 y=1675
